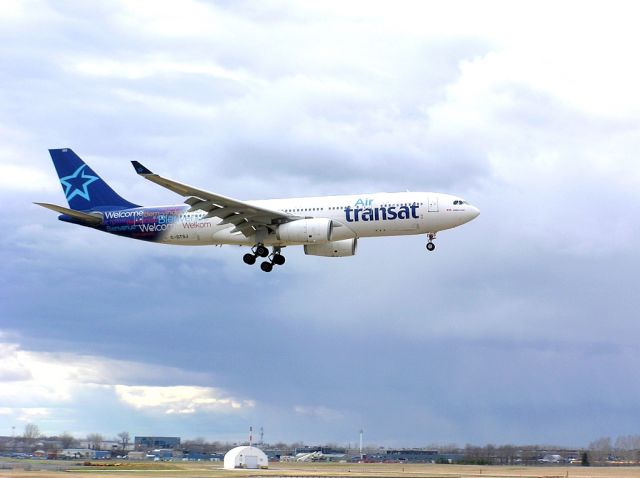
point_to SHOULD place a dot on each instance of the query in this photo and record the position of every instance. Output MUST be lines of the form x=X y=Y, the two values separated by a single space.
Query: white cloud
x=16 y=10
x=25 y=178
x=27 y=415
x=162 y=18
x=178 y=399
x=153 y=67
x=44 y=380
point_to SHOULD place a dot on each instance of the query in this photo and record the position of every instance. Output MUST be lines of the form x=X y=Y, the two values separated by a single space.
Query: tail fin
x=83 y=188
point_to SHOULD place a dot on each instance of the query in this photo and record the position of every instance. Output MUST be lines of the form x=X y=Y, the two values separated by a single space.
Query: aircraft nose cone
x=474 y=212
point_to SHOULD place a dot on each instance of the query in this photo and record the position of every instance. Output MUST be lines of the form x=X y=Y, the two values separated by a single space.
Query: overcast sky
x=522 y=326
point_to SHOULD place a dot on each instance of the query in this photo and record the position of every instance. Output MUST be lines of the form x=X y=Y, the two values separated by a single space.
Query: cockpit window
x=459 y=201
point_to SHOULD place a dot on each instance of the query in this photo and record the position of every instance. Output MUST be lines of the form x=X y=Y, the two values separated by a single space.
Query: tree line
x=622 y=450
x=31 y=437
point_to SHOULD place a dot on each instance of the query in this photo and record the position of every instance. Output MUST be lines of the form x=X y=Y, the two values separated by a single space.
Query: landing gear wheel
x=262 y=251
x=249 y=259
x=266 y=266
x=430 y=246
x=278 y=260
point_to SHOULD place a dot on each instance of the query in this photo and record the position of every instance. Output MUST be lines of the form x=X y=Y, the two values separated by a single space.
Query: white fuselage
x=355 y=216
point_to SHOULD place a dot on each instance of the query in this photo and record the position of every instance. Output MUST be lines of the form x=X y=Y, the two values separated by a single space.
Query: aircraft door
x=433 y=204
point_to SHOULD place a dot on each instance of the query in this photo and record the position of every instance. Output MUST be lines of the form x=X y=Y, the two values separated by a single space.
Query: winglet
x=140 y=169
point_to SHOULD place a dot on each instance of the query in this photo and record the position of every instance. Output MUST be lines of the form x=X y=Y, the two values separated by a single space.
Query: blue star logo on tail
x=76 y=184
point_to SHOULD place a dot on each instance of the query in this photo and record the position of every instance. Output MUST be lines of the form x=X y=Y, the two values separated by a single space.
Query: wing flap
x=245 y=228
x=201 y=205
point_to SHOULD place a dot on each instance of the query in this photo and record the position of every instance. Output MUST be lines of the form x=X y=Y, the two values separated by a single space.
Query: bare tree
x=627 y=448
x=31 y=433
x=124 y=439
x=197 y=445
x=217 y=446
x=95 y=440
x=67 y=440
x=600 y=449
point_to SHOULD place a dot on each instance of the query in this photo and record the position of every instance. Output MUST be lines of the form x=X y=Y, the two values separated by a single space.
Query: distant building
x=248 y=457
x=551 y=458
x=77 y=453
x=412 y=455
x=325 y=450
x=152 y=443
x=197 y=456
x=274 y=454
x=416 y=456
x=320 y=453
x=104 y=445
x=167 y=454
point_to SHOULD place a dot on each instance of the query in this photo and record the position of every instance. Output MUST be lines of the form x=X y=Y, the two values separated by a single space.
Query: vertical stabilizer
x=84 y=189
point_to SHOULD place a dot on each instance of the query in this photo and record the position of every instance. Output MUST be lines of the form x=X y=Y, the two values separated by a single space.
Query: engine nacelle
x=305 y=231
x=346 y=247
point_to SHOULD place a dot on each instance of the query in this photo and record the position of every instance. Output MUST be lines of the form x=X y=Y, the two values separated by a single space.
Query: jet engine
x=305 y=231
x=346 y=247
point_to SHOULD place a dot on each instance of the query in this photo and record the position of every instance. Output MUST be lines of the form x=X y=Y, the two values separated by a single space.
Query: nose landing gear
x=430 y=245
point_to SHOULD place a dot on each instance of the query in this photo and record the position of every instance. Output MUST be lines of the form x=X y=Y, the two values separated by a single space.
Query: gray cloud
x=520 y=325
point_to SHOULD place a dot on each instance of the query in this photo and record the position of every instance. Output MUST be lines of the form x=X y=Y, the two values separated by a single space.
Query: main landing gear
x=430 y=245
x=258 y=251
x=275 y=258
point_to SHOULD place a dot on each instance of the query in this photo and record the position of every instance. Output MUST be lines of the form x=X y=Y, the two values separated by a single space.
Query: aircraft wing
x=246 y=218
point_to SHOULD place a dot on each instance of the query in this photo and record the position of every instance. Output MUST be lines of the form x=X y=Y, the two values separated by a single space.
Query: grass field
x=59 y=469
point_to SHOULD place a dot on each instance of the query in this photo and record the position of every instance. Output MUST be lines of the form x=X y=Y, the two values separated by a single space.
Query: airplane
x=328 y=226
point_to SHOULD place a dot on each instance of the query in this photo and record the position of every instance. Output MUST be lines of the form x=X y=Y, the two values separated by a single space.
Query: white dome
x=245 y=457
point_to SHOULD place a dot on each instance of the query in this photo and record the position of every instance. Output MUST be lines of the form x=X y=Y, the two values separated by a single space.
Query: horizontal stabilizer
x=94 y=219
